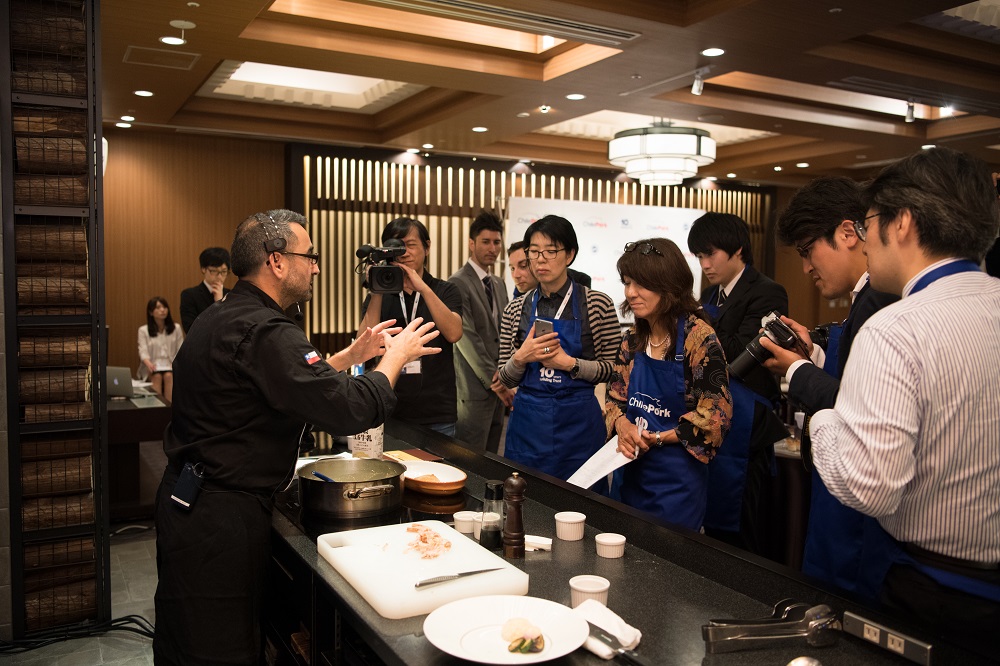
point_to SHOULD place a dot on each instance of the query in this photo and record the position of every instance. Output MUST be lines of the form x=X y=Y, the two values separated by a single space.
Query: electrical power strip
x=906 y=646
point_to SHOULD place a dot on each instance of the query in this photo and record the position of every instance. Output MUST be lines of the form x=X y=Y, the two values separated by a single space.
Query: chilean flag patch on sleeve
x=312 y=357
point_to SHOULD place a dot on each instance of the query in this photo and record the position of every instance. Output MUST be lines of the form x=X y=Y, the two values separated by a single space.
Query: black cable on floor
x=142 y=627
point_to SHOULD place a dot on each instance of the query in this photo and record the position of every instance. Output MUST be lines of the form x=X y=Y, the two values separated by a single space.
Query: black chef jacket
x=245 y=382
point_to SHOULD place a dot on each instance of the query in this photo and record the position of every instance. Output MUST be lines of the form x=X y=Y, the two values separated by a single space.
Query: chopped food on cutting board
x=522 y=636
x=428 y=543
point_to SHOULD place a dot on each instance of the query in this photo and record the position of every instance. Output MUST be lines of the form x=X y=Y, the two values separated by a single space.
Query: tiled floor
x=133 y=582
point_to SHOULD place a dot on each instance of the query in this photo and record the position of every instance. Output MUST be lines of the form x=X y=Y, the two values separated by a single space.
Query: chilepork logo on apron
x=639 y=401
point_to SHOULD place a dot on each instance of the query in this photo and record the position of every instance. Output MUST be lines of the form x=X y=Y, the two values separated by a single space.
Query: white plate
x=470 y=628
x=450 y=479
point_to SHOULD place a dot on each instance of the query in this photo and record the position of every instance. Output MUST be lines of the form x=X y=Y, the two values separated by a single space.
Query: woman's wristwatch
x=575 y=372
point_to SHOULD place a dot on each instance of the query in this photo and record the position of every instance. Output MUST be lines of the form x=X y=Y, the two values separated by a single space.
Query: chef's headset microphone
x=274 y=244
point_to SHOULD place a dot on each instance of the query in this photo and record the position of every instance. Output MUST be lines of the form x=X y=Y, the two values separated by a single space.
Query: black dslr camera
x=755 y=354
x=383 y=276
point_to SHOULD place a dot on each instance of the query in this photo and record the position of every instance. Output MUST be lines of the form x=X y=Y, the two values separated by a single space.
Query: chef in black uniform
x=247 y=381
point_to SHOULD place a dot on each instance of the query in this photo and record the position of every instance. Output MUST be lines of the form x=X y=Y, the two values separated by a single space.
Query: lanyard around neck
x=569 y=293
x=402 y=306
x=952 y=268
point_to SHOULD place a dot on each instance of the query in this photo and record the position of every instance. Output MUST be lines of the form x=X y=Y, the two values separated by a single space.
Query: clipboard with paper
x=599 y=465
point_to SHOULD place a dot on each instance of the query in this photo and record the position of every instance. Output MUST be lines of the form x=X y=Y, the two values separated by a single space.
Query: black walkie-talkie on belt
x=188 y=485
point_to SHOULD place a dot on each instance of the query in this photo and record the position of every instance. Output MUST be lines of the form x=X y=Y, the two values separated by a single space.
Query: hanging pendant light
x=662 y=154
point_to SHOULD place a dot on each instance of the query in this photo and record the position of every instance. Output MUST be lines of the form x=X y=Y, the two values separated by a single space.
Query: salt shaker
x=513 y=527
x=492 y=516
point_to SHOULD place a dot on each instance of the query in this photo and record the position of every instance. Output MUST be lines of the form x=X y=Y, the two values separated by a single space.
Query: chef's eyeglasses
x=643 y=248
x=311 y=256
x=548 y=254
x=861 y=226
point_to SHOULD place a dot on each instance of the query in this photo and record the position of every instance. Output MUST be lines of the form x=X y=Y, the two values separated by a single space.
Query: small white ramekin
x=569 y=525
x=610 y=544
x=586 y=587
x=464 y=521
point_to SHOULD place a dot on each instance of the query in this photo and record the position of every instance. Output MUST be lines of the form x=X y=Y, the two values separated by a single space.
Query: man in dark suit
x=819 y=223
x=739 y=296
x=484 y=296
x=214 y=270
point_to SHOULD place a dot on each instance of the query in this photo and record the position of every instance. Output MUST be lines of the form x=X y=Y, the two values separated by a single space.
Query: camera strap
x=402 y=306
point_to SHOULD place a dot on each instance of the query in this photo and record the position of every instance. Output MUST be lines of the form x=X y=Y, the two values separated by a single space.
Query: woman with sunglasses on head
x=159 y=340
x=668 y=398
x=555 y=425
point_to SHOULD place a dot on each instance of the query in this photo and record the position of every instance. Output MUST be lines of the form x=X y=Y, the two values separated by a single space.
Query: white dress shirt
x=914 y=438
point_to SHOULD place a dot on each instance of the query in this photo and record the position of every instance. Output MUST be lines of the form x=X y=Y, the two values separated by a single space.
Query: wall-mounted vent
x=979 y=20
x=514 y=19
x=919 y=95
x=140 y=55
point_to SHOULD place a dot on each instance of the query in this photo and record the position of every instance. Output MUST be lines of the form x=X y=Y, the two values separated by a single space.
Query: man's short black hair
x=401 y=226
x=214 y=256
x=818 y=210
x=559 y=229
x=515 y=246
x=485 y=221
x=721 y=231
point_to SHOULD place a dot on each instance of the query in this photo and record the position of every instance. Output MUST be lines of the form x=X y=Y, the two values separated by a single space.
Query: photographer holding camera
x=819 y=223
x=426 y=389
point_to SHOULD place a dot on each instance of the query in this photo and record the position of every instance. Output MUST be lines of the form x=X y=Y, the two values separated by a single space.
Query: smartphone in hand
x=542 y=327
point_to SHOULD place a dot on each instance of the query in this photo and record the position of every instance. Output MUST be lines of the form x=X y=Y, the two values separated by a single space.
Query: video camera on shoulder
x=384 y=277
x=755 y=354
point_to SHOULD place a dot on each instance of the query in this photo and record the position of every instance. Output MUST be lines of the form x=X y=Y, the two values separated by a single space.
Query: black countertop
x=668 y=584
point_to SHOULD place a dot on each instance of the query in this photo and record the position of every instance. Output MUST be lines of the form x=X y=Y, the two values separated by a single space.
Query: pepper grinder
x=513 y=527
x=491 y=522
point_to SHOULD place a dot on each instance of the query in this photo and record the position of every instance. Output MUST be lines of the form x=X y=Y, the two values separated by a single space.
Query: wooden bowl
x=449 y=480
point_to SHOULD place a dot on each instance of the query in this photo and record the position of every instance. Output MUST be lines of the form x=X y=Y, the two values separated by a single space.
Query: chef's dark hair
x=559 y=229
x=721 y=231
x=249 y=251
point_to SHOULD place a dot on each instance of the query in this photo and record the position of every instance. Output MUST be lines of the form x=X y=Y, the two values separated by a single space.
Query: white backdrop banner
x=603 y=229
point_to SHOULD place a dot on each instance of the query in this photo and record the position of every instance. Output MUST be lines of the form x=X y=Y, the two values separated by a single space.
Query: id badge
x=412 y=368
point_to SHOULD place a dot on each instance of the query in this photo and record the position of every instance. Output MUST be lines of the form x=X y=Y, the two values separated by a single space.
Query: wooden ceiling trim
x=282 y=112
x=670 y=12
x=516 y=151
x=769 y=143
x=786 y=155
x=929 y=41
x=574 y=59
x=807 y=92
x=966 y=126
x=401 y=119
x=277 y=130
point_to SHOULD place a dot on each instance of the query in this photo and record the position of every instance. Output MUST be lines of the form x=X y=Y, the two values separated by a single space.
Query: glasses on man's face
x=861 y=226
x=642 y=248
x=218 y=272
x=548 y=254
x=312 y=257
x=805 y=248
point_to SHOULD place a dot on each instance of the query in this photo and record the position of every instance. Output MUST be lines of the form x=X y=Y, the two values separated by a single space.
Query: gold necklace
x=657 y=344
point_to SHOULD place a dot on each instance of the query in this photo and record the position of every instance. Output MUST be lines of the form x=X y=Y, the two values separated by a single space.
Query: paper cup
x=586 y=587
x=465 y=521
x=610 y=544
x=569 y=525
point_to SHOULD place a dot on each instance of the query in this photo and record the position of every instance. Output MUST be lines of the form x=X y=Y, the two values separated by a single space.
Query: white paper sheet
x=602 y=463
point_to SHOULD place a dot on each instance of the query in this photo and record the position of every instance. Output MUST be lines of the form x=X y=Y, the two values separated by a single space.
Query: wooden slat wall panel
x=350 y=200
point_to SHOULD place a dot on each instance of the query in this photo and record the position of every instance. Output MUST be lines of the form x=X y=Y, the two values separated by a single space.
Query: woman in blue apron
x=556 y=423
x=668 y=400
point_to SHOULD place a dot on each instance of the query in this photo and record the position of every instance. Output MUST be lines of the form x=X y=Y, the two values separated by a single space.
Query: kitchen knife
x=612 y=642
x=443 y=579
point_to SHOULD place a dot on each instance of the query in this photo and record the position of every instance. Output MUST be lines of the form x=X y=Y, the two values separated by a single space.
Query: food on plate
x=429 y=544
x=522 y=636
x=427 y=478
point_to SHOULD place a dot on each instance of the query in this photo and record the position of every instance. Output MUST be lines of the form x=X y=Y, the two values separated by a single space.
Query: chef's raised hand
x=538 y=349
x=408 y=345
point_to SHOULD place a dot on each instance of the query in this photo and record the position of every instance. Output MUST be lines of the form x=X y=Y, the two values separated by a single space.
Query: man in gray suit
x=484 y=296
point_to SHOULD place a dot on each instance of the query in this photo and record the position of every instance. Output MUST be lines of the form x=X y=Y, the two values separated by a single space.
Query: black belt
x=932 y=559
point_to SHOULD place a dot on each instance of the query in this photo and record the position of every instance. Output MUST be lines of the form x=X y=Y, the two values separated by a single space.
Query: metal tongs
x=790 y=622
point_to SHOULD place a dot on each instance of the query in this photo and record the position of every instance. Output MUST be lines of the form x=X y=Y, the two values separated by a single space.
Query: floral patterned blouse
x=706 y=389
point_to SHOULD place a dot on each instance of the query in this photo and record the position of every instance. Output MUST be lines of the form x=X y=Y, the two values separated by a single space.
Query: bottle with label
x=367 y=444
x=492 y=516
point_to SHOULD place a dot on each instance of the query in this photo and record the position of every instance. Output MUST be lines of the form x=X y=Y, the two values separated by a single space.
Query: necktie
x=489 y=291
x=722 y=296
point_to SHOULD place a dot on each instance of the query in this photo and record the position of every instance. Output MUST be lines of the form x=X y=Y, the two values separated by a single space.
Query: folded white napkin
x=532 y=542
x=596 y=612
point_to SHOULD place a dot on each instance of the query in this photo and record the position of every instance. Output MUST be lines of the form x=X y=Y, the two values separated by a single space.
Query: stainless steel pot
x=359 y=487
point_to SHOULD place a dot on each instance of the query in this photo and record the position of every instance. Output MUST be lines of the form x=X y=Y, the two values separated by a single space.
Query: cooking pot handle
x=370 y=491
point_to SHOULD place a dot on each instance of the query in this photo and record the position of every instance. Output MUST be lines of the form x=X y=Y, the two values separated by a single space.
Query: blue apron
x=727 y=475
x=869 y=548
x=556 y=423
x=667 y=481
x=838 y=538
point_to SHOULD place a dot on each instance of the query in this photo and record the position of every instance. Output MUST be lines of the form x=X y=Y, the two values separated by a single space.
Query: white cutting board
x=376 y=562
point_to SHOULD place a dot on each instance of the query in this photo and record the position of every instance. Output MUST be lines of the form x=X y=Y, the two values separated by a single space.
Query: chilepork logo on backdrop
x=648 y=404
x=595 y=223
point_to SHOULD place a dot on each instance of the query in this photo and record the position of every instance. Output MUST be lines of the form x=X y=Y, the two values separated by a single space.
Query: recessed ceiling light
x=128 y=119
x=712 y=178
x=835 y=10
x=544 y=108
x=427 y=154
x=928 y=146
x=123 y=125
x=173 y=41
x=802 y=165
x=947 y=111
x=523 y=114
x=576 y=97
x=143 y=93
x=480 y=129
x=777 y=168
x=713 y=52
x=474 y=159
x=427 y=146
x=730 y=175
x=413 y=151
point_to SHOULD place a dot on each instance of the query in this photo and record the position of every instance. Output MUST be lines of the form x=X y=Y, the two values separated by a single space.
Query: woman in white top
x=159 y=340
